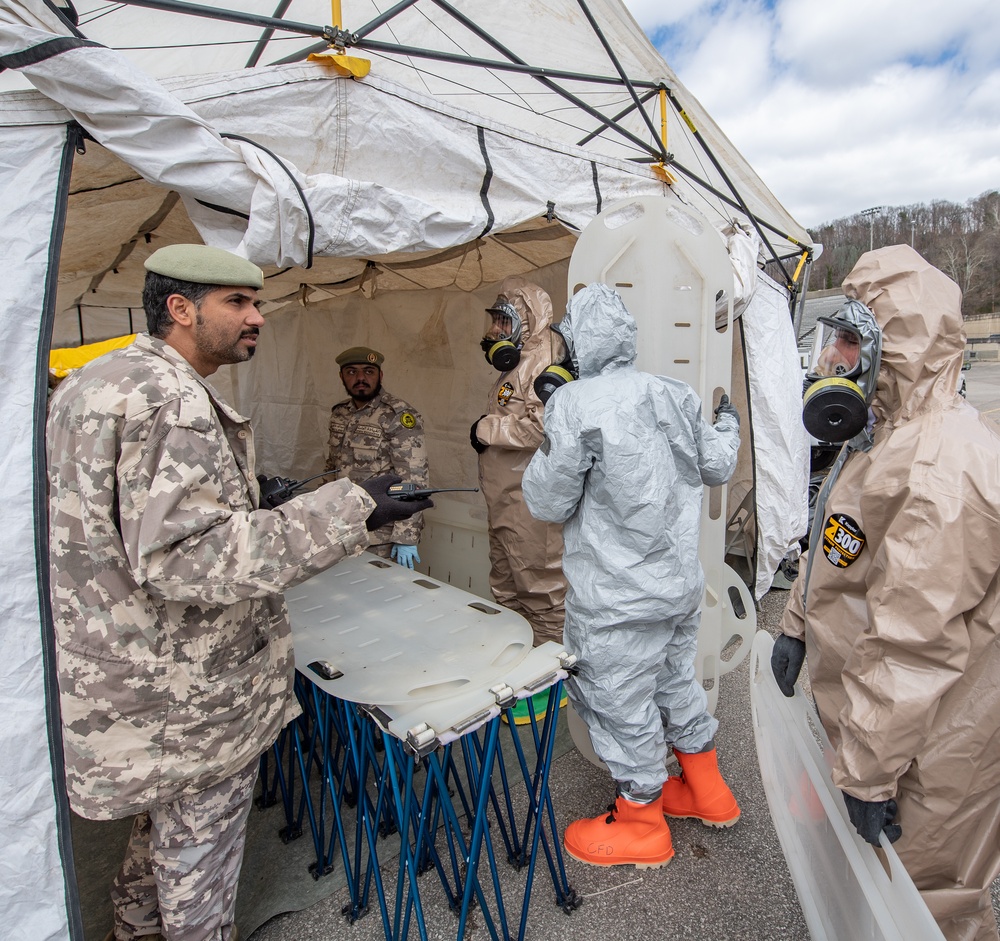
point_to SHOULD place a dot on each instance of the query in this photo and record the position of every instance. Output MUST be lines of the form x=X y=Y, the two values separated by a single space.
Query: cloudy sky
x=845 y=105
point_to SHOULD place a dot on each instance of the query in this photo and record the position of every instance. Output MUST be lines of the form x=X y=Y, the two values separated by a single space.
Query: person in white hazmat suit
x=622 y=466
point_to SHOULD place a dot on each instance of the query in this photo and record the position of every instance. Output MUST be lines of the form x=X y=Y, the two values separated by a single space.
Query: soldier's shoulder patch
x=843 y=540
x=504 y=393
x=407 y=420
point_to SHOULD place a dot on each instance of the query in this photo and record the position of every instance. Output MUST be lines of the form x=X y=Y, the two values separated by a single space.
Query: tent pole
x=552 y=86
x=705 y=185
x=265 y=38
x=618 y=66
x=621 y=114
x=233 y=16
x=718 y=166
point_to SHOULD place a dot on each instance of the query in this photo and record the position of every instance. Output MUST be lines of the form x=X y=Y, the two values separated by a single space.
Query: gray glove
x=870 y=818
x=389 y=509
x=786 y=662
x=725 y=407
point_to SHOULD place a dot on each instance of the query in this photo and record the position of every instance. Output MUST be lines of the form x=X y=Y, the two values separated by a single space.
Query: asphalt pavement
x=982 y=388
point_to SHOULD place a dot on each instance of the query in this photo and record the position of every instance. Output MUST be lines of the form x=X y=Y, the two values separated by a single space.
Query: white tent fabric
x=32 y=882
x=168 y=144
x=425 y=183
x=781 y=446
x=543 y=33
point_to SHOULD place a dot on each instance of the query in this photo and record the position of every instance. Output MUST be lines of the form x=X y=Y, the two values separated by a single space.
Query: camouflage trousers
x=178 y=879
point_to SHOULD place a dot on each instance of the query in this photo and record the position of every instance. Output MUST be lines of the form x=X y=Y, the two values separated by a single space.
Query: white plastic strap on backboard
x=844 y=891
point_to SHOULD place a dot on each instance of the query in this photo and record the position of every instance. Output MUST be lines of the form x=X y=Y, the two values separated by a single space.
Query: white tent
x=384 y=209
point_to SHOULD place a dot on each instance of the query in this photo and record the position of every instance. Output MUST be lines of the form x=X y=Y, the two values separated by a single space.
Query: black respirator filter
x=552 y=378
x=501 y=354
x=834 y=409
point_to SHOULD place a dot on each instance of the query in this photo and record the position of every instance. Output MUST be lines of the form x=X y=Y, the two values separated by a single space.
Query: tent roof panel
x=550 y=34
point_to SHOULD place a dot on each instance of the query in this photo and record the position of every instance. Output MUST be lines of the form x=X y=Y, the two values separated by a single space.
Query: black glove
x=870 y=818
x=725 y=407
x=476 y=443
x=786 y=662
x=389 y=509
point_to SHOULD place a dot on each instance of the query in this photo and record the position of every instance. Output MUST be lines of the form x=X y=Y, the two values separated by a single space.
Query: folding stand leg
x=482 y=788
x=540 y=809
x=360 y=752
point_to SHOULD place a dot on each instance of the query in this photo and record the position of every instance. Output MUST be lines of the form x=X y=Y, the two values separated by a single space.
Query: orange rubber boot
x=631 y=834
x=700 y=792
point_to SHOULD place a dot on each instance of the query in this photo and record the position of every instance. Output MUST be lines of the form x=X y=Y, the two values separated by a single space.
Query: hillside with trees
x=961 y=240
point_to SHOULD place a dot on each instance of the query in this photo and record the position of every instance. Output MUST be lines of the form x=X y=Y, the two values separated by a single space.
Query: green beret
x=203 y=264
x=362 y=355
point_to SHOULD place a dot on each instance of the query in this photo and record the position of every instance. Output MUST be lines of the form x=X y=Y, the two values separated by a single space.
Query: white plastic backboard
x=845 y=893
x=395 y=636
x=669 y=266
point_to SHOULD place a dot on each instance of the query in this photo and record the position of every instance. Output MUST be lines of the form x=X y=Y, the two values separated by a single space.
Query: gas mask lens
x=837 y=351
x=502 y=336
x=559 y=348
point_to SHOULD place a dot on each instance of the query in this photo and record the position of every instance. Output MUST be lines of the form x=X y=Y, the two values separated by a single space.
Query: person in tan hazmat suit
x=525 y=554
x=898 y=602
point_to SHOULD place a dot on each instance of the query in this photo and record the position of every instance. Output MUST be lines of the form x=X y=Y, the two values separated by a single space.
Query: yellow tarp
x=63 y=362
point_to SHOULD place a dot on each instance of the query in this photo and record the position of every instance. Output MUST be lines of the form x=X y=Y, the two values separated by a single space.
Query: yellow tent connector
x=663 y=173
x=659 y=168
x=798 y=269
x=62 y=362
x=352 y=66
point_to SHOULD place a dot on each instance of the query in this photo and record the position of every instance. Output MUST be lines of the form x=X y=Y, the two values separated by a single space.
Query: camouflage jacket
x=386 y=436
x=173 y=645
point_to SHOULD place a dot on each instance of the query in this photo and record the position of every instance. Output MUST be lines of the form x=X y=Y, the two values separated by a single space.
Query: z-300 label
x=843 y=540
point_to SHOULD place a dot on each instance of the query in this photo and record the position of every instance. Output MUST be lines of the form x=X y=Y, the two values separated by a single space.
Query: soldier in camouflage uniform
x=374 y=432
x=173 y=645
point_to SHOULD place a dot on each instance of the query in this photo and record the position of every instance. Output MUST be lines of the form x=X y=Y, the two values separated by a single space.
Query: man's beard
x=210 y=341
x=367 y=396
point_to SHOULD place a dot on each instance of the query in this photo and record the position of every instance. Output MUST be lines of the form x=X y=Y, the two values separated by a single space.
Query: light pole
x=871 y=213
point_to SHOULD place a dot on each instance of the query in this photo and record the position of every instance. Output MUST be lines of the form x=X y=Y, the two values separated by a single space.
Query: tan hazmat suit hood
x=901 y=619
x=525 y=554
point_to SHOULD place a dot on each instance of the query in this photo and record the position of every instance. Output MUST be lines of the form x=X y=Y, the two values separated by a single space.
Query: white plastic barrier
x=844 y=891
x=669 y=266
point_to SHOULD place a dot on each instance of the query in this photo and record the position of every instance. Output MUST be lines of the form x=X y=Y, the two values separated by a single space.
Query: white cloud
x=843 y=106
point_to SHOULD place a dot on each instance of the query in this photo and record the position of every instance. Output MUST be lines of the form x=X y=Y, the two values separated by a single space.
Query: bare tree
x=963 y=241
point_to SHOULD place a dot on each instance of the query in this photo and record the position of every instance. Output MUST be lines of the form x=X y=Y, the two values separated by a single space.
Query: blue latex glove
x=405 y=555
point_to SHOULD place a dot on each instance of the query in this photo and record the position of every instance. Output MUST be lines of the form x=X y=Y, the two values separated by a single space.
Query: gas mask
x=563 y=368
x=502 y=340
x=842 y=375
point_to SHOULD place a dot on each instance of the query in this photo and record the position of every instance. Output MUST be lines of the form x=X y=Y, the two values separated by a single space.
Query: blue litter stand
x=403 y=682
